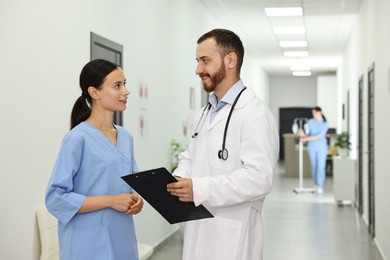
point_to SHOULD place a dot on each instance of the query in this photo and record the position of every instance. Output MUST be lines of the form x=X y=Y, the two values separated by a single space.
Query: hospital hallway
x=303 y=226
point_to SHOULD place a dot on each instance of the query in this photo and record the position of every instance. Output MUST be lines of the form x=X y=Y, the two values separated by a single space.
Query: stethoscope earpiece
x=202 y=119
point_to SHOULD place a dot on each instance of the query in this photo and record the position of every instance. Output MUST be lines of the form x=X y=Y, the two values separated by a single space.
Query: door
x=359 y=188
x=102 y=48
x=371 y=152
x=286 y=120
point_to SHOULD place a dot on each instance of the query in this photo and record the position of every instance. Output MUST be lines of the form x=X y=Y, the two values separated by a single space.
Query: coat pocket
x=218 y=238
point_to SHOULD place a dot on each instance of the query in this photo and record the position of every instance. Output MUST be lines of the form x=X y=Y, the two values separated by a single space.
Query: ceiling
x=328 y=24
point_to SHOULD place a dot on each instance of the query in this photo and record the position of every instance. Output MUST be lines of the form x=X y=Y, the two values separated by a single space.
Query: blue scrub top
x=88 y=164
x=319 y=129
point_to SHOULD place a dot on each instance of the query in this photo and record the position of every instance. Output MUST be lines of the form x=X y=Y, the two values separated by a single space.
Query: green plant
x=342 y=140
x=176 y=149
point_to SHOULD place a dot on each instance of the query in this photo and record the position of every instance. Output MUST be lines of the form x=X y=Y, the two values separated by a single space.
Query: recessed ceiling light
x=296 y=53
x=289 y=30
x=301 y=73
x=300 y=67
x=287 y=44
x=283 y=11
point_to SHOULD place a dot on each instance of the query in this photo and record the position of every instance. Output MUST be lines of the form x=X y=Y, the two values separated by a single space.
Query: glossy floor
x=303 y=226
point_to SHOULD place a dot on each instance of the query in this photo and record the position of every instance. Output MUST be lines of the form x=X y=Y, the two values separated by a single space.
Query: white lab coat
x=233 y=190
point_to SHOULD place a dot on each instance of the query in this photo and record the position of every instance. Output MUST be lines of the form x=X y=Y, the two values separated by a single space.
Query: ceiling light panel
x=301 y=73
x=283 y=11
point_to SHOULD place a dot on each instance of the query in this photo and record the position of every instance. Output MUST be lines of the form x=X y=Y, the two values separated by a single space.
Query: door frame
x=359 y=181
x=371 y=148
x=99 y=42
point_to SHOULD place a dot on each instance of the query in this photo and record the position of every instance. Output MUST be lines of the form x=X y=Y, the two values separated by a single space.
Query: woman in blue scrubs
x=317 y=147
x=93 y=205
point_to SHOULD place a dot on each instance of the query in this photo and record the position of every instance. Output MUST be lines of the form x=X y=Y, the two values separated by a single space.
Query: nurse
x=317 y=147
x=229 y=171
x=93 y=205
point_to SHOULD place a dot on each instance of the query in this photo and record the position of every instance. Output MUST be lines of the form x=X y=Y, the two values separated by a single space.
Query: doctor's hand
x=137 y=206
x=182 y=189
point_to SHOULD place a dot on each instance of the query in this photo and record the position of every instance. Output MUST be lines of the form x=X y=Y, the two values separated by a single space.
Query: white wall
x=327 y=98
x=292 y=92
x=369 y=43
x=43 y=48
x=254 y=76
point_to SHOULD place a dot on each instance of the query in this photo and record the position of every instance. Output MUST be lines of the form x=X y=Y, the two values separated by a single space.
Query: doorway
x=371 y=151
x=102 y=48
x=286 y=120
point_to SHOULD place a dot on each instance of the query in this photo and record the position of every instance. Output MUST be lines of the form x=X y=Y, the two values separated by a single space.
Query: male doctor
x=230 y=180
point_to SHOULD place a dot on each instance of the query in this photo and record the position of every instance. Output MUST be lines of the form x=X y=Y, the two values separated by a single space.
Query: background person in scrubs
x=317 y=147
x=93 y=205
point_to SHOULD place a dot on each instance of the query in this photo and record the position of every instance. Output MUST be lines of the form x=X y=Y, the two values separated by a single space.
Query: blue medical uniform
x=318 y=150
x=88 y=164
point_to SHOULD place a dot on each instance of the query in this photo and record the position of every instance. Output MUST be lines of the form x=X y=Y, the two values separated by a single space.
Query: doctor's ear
x=93 y=92
x=231 y=60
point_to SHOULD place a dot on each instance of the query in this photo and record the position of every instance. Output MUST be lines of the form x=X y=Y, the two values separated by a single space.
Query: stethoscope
x=223 y=154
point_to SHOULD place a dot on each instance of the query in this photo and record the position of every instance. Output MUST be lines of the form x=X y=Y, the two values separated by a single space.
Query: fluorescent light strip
x=296 y=53
x=289 y=30
x=299 y=67
x=301 y=73
x=287 y=44
x=283 y=11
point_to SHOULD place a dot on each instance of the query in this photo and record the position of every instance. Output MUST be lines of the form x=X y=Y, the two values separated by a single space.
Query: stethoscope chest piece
x=223 y=154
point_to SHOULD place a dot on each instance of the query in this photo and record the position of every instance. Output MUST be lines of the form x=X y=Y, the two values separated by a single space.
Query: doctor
x=230 y=162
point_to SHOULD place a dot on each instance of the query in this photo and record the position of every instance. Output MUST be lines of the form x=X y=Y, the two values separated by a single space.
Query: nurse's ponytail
x=92 y=75
x=318 y=109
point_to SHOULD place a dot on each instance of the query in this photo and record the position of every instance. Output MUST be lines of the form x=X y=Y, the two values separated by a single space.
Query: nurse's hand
x=137 y=206
x=123 y=202
x=182 y=189
x=301 y=133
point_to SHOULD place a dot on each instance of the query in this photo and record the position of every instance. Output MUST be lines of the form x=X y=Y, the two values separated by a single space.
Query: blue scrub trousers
x=317 y=154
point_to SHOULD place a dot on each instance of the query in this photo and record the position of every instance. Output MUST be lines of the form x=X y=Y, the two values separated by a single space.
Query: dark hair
x=93 y=74
x=227 y=41
x=318 y=109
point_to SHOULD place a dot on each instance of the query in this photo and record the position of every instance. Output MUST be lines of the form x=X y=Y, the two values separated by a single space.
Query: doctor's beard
x=215 y=79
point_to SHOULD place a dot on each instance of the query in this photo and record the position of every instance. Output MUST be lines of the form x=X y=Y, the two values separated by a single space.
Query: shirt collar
x=228 y=98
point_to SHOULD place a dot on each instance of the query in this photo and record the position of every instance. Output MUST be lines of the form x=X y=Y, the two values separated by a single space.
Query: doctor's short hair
x=227 y=41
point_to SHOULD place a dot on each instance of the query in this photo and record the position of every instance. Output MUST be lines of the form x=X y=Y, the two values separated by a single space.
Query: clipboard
x=152 y=186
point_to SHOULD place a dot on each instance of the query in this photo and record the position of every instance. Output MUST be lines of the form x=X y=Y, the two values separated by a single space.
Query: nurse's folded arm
x=121 y=202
